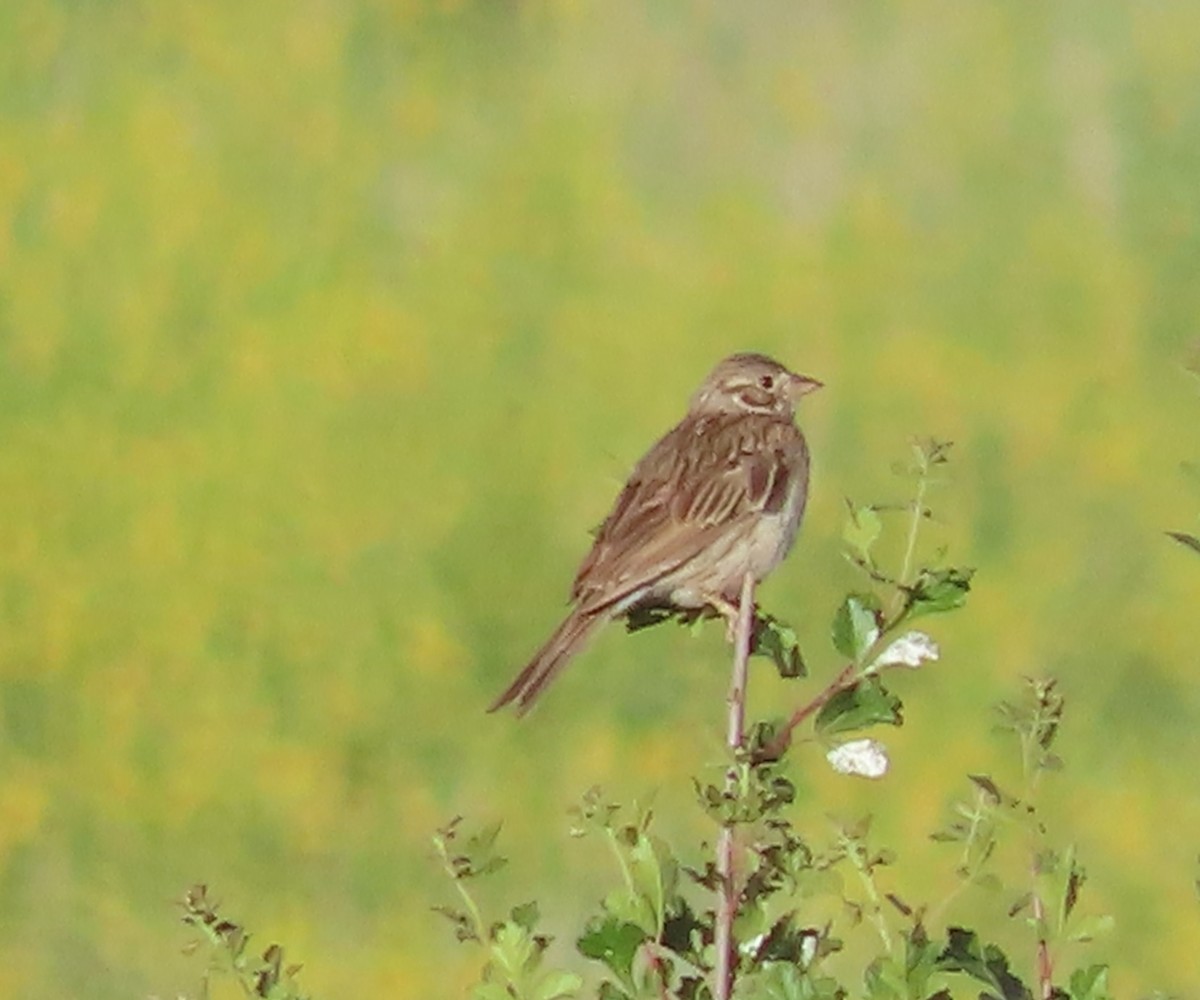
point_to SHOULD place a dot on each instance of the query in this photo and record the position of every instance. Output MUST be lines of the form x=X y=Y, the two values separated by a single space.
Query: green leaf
x=778 y=641
x=884 y=980
x=1092 y=928
x=777 y=981
x=1090 y=983
x=557 y=986
x=654 y=874
x=920 y=960
x=478 y=856
x=936 y=591
x=526 y=915
x=490 y=991
x=1191 y=541
x=784 y=981
x=593 y=813
x=483 y=842
x=964 y=952
x=631 y=907
x=751 y=921
x=514 y=949
x=865 y=704
x=856 y=625
x=785 y=942
x=464 y=926
x=862 y=530
x=614 y=942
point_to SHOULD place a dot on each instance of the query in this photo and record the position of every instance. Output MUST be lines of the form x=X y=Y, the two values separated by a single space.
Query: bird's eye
x=767 y=382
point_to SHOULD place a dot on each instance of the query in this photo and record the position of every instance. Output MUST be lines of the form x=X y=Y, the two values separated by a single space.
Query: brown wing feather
x=703 y=478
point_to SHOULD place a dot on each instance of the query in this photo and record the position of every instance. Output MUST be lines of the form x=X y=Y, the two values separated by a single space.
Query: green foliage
x=936 y=591
x=984 y=963
x=769 y=636
x=267 y=976
x=862 y=706
x=514 y=966
x=779 y=642
x=655 y=935
x=654 y=938
x=856 y=625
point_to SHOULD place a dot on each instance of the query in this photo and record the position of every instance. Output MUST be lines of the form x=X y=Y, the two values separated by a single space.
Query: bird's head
x=751 y=383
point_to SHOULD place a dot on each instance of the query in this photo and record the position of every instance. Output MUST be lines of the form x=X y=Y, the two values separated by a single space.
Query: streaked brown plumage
x=722 y=493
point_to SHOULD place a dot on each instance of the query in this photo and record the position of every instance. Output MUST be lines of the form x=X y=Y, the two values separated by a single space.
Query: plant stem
x=845 y=679
x=726 y=908
x=914 y=527
x=1031 y=771
x=626 y=874
x=741 y=658
x=655 y=962
x=477 y=924
x=1045 y=968
x=857 y=854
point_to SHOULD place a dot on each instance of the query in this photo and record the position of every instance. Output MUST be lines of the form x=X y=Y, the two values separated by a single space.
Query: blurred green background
x=327 y=330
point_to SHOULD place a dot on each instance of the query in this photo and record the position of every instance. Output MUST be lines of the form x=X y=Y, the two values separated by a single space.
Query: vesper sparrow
x=720 y=495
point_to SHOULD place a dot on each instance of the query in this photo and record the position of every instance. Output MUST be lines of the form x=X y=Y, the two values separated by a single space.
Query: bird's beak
x=802 y=385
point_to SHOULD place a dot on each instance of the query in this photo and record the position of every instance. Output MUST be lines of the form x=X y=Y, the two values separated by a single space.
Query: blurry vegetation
x=326 y=329
x=227 y=944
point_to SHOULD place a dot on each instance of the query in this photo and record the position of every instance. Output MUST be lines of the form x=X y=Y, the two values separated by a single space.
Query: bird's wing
x=704 y=478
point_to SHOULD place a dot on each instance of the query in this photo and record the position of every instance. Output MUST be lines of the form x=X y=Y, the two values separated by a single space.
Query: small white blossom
x=910 y=650
x=865 y=758
x=808 y=948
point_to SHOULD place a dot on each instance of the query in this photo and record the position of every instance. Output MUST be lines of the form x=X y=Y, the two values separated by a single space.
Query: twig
x=741 y=658
x=1045 y=968
x=851 y=674
x=663 y=957
x=847 y=678
x=910 y=546
x=726 y=908
x=478 y=927
x=857 y=855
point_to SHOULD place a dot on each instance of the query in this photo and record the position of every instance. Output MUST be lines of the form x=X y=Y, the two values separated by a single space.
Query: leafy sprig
x=267 y=975
x=654 y=935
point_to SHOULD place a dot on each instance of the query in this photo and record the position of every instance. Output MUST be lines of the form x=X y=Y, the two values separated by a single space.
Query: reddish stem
x=1045 y=968
x=775 y=749
x=659 y=970
x=727 y=894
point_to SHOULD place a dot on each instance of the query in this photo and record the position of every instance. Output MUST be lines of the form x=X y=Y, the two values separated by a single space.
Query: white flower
x=910 y=650
x=808 y=948
x=865 y=758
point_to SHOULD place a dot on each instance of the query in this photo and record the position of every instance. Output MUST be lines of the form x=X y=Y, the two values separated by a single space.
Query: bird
x=719 y=495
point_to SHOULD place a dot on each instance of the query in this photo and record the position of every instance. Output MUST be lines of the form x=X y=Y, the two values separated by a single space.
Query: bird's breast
x=773 y=534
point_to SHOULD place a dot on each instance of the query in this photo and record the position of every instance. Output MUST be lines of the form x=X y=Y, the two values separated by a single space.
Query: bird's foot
x=731 y=612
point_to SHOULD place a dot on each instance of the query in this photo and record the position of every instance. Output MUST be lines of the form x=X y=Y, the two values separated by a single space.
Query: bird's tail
x=567 y=640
